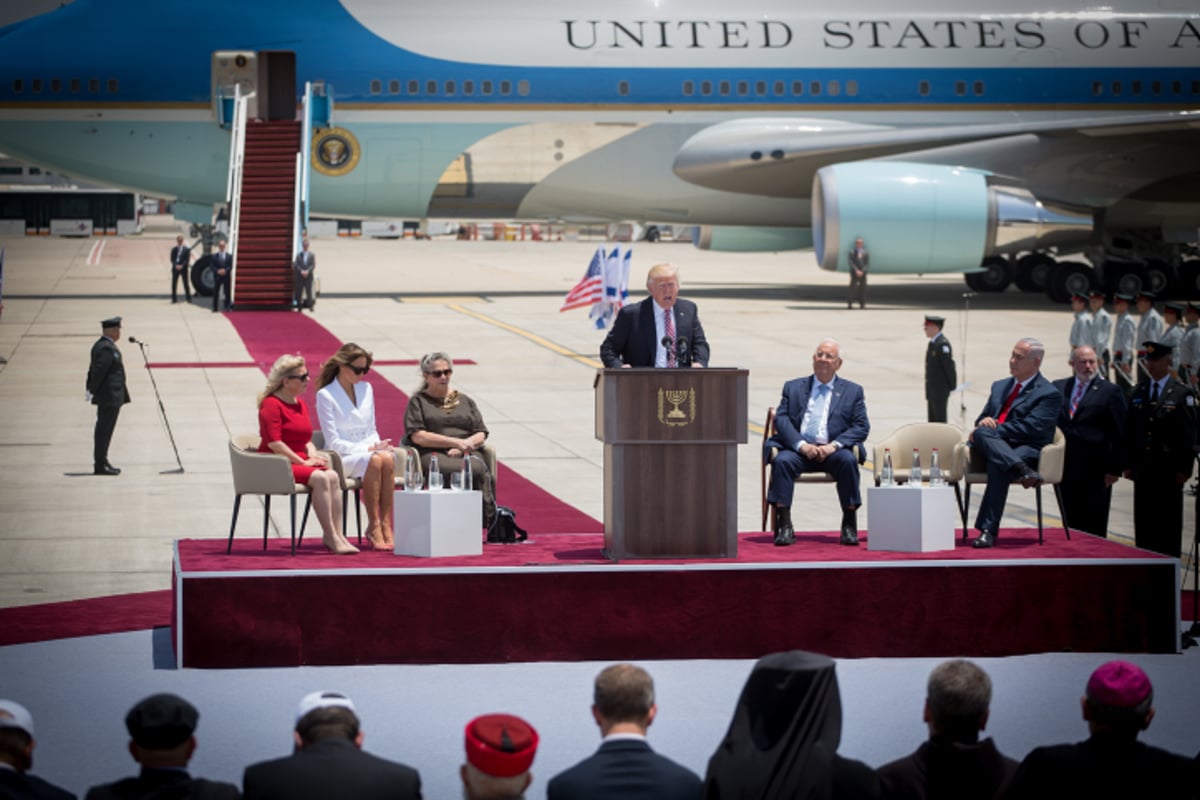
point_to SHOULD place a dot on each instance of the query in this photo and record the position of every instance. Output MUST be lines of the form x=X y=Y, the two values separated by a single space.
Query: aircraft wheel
x=1124 y=278
x=993 y=278
x=1033 y=271
x=1189 y=279
x=1067 y=278
x=202 y=277
x=1158 y=277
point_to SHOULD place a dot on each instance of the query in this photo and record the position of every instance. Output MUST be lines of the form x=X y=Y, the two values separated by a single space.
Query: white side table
x=907 y=520
x=433 y=524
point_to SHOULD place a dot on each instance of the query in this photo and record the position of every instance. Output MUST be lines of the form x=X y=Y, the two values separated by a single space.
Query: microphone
x=682 y=355
x=137 y=341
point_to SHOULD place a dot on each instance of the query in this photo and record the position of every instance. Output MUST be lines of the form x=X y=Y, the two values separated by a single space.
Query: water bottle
x=886 y=478
x=935 y=471
x=412 y=482
x=466 y=472
x=914 y=473
x=435 y=475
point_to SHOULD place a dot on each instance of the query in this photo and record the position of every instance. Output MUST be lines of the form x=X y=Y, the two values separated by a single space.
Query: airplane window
x=523 y=88
x=376 y=86
x=75 y=83
x=1195 y=87
x=797 y=87
x=1116 y=87
x=743 y=88
x=623 y=88
x=1176 y=87
x=977 y=88
x=94 y=85
x=18 y=85
x=706 y=88
x=723 y=88
x=10 y=170
x=393 y=87
x=112 y=86
x=414 y=87
x=505 y=88
x=35 y=170
x=1156 y=87
x=852 y=88
x=485 y=87
x=835 y=88
x=960 y=88
x=1135 y=87
x=35 y=86
x=450 y=87
x=923 y=88
x=55 y=85
x=1097 y=88
x=780 y=88
x=689 y=88
x=431 y=87
x=468 y=87
x=814 y=88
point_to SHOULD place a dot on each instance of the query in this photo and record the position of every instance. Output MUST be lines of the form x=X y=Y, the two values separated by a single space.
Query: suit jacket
x=945 y=770
x=633 y=340
x=857 y=261
x=848 y=423
x=222 y=261
x=1096 y=434
x=625 y=769
x=164 y=783
x=305 y=260
x=106 y=374
x=331 y=769
x=180 y=254
x=1034 y=413
x=23 y=786
x=1103 y=767
x=1162 y=436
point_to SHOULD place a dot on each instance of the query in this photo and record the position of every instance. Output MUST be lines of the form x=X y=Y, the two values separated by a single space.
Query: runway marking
x=97 y=252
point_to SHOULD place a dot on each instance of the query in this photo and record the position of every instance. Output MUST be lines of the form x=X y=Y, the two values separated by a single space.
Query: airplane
x=1003 y=141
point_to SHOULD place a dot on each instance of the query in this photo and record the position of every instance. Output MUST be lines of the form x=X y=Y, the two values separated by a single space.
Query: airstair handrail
x=237 y=158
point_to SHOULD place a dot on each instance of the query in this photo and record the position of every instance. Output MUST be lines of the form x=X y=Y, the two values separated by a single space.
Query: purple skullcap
x=1119 y=684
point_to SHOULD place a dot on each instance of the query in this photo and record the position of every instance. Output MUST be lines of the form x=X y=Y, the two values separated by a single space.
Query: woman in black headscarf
x=782 y=742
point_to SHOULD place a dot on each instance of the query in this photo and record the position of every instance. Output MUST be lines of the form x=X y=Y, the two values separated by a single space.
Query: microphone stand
x=962 y=396
x=161 y=410
x=683 y=356
x=1192 y=637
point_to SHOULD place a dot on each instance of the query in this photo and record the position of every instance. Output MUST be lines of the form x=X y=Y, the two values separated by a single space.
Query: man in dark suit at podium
x=819 y=422
x=1093 y=419
x=661 y=331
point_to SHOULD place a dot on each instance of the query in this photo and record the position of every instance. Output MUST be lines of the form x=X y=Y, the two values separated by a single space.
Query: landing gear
x=993 y=278
x=1032 y=273
x=1068 y=277
x=1189 y=278
x=202 y=277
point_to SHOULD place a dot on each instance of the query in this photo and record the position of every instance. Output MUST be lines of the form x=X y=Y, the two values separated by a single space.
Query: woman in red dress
x=285 y=429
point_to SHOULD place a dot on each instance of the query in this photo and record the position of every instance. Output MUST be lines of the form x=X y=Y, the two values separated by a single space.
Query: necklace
x=450 y=401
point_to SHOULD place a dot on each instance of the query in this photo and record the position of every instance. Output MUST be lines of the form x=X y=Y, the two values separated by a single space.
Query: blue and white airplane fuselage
x=943 y=134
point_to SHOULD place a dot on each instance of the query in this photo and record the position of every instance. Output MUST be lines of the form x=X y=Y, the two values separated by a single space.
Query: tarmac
x=66 y=534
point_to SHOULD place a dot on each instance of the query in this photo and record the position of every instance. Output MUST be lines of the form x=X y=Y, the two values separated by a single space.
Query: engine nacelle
x=932 y=218
x=737 y=239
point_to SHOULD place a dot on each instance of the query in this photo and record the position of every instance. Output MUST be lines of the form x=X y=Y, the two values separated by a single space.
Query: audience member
x=784 y=736
x=1093 y=420
x=1014 y=426
x=328 y=762
x=444 y=423
x=162 y=739
x=624 y=768
x=953 y=764
x=661 y=331
x=284 y=428
x=819 y=423
x=16 y=758
x=1111 y=763
x=500 y=750
x=346 y=412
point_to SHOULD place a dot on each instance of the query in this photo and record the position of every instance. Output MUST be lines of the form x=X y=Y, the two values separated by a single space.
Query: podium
x=670 y=460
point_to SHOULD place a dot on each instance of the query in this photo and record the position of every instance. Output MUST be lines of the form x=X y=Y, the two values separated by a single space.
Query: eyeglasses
x=359 y=370
x=437 y=373
x=303 y=377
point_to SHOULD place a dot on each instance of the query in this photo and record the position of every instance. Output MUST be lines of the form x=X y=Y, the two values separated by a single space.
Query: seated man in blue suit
x=819 y=422
x=1014 y=426
x=661 y=331
x=624 y=767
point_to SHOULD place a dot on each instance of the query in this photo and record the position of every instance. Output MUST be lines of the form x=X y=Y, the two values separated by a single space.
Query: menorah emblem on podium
x=676 y=397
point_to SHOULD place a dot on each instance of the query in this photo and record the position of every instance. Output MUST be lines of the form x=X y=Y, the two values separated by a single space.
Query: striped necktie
x=669 y=329
x=1080 y=386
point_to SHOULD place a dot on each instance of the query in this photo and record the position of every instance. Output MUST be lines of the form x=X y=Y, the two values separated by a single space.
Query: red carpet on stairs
x=269 y=334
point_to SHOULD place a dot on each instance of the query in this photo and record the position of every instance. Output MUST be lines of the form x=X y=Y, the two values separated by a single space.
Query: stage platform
x=556 y=598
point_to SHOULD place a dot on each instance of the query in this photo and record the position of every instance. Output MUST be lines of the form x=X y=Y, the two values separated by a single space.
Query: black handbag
x=504 y=528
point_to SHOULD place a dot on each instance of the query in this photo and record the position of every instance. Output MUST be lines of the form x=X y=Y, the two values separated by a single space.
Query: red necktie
x=669 y=329
x=1008 y=403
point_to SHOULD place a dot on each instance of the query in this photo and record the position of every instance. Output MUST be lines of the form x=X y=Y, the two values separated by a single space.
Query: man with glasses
x=1010 y=432
x=820 y=423
x=661 y=331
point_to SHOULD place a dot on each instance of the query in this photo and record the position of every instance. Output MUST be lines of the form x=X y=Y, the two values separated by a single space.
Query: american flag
x=590 y=288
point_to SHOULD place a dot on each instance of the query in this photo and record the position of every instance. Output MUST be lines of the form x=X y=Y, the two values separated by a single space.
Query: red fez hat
x=1119 y=684
x=501 y=745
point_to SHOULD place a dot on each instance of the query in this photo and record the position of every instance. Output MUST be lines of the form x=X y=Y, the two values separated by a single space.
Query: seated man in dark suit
x=16 y=757
x=1014 y=426
x=1093 y=420
x=1118 y=704
x=624 y=767
x=161 y=729
x=661 y=331
x=500 y=751
x=953 y=764
x=819 y=422
x=328 y=762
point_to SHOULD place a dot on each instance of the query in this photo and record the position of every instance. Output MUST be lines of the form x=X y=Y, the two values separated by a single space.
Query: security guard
x=1162 y=438
x=941 y=376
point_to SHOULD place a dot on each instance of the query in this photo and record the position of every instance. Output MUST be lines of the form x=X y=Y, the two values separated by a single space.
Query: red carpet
x=114 y=614
x=269 y=334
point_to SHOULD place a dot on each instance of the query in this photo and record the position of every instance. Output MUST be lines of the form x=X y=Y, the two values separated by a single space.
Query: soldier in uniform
x=1189 y=356
x=1162 y=437
x=1081 y=327
x=1150 y=326
x=1101 y=330
x=106 y=390
x=1172 y=333
x=941 y=375
x=1124 y=345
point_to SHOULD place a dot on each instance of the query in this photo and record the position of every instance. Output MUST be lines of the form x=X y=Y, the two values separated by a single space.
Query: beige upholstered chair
x=350 y=484
x=923 y=436
x=768 y=512
x=266 y=474
x=1050 y=467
